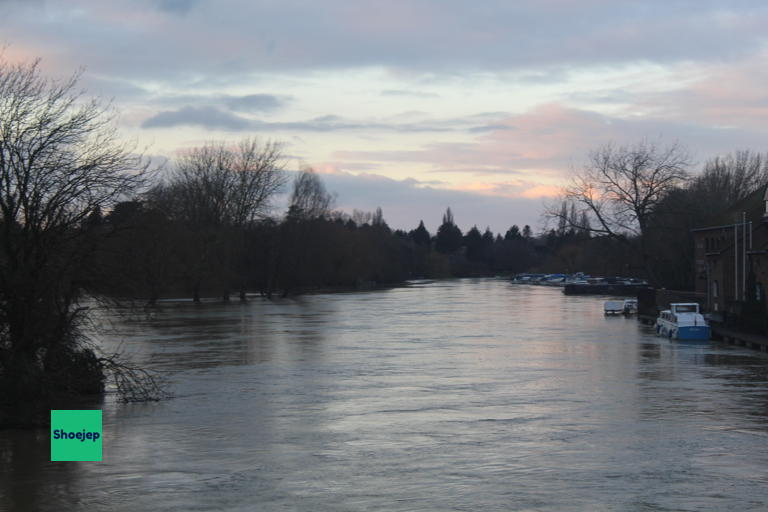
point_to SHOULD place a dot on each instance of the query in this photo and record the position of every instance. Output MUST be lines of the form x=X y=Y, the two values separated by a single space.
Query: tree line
x=206 y=230
x=635 y=207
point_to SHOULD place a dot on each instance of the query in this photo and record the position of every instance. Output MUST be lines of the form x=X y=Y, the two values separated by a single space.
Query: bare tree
x=217 y=184
x=60 y=162
x=620 y=188
x=217 y=191
x=309 y=199
x=730 y=178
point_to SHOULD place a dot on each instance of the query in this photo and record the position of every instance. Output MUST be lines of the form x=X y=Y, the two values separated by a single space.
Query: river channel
x=472 y=395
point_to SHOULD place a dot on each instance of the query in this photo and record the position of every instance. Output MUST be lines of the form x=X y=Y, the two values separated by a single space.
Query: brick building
x=731 y=263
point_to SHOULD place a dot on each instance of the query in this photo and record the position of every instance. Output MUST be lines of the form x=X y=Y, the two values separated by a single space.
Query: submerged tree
x=60 y=163
x=215 y=193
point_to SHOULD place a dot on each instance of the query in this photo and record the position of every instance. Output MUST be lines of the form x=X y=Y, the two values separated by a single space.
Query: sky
x=417 y=105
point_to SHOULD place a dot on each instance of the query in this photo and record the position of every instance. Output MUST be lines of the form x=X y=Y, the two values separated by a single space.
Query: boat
x=613 y=307
x=683 y=321
x=553 y=280
x=527 y=278
x=630 y=306
x=604 y=286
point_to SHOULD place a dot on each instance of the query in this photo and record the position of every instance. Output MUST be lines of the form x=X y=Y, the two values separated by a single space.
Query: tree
x=728 y=179
x=513 y=233
x=215 y=193
x=473 y=241
x=219 y=185
x=420 y=235
x=60 y=163
x=309 y=198
x=310 y=205
x=621 y=187
x=449 y=237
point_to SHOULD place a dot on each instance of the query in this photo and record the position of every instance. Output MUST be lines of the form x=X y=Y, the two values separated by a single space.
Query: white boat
x=527 y=278
x=553 y=280
x=630 y=306
x=682 y=321
x=613 y=307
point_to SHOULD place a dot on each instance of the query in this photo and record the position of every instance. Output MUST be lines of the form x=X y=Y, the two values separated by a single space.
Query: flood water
x=473 y=395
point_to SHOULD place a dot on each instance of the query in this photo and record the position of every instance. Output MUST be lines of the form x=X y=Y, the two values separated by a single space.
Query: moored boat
x=683 y=321
x=630 y=306
x=613 y=307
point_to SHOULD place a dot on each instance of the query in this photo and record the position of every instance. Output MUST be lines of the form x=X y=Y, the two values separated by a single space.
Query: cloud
x=254 y=102
x=413 y=94
x=209 y=118
x=728 y=94
x=176 y=6
x=550 y=139
x=177 y=39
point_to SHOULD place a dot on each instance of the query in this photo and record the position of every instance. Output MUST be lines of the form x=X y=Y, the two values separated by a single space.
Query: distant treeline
x=205 y=231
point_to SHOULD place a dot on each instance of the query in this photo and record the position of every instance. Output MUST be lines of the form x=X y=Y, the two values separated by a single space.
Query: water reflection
x=456 y=395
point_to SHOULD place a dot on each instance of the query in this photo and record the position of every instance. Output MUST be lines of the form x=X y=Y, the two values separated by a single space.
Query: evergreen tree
x=487 y=237
x=513 y=233
x=473 y=241
x=449 y=238
x=527 y=233
x=420 y=235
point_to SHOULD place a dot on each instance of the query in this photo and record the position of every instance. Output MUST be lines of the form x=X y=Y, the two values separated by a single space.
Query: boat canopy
x=691 y=307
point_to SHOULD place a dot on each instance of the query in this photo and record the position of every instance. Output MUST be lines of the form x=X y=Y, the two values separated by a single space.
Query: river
x=454 y=395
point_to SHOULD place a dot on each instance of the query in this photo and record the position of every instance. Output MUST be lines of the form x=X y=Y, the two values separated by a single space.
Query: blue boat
x=683 y=321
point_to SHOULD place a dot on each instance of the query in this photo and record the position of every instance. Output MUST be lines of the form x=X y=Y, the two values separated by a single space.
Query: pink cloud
x=516 y=188
x=543 y=141
x=726 y=94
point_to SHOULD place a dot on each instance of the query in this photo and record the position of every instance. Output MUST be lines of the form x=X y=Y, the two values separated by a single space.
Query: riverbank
x=741 y=339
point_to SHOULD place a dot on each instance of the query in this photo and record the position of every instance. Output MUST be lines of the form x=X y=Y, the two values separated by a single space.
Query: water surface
x=455 y=395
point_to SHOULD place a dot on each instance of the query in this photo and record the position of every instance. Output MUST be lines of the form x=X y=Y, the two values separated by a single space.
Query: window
x=715 y=288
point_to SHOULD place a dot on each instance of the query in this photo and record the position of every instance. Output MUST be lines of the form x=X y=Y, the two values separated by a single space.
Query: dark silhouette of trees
x=309 y=198
x=449 y=238
x=420 y=235
x=61 y=165
x=513 y=233
x=730 y=178
x=620 y=189
x=215 y=194
x=301 y=254
x=473 y=241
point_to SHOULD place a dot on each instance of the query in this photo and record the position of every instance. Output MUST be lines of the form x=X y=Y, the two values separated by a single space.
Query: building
x=731 y=264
